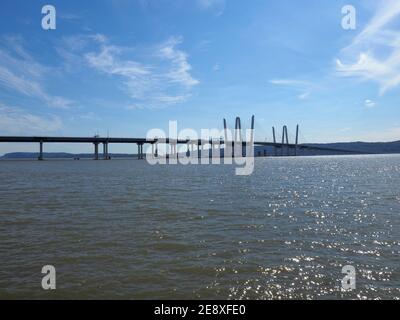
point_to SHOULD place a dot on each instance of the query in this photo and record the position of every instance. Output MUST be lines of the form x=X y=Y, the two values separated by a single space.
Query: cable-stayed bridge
x=281 y=148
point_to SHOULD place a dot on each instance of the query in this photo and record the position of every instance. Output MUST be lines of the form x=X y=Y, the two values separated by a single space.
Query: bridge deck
x=46 y=139
x=141 y=141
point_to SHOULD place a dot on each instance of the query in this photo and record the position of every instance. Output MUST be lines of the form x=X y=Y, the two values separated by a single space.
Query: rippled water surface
x=124 y=229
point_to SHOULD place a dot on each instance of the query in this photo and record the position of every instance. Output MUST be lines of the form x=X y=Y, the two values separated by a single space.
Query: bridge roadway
x=141 y=141
x=98 y=140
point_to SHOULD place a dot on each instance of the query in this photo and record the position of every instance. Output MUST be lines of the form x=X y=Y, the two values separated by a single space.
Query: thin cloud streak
x=303 y=86
x=14 y=120
x=164 y=79
x=217 y=7
x=365 y=50
x=21 y=74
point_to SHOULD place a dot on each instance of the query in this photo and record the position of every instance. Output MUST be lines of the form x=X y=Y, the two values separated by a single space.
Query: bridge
x=200 y=143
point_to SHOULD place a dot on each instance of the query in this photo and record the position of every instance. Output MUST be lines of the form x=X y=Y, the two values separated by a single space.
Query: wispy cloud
x=180 y=71
x=162 y=77
x=20 y=73
x=216 y=67
x=304 y=95
x=91 y=116
x=217 y=7
x=304 y=87
x=14 y=120
x=369 y=103
x=290 y=82
x=368 y=50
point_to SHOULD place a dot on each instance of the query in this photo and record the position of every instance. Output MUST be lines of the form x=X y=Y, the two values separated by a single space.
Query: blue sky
x=122 y=67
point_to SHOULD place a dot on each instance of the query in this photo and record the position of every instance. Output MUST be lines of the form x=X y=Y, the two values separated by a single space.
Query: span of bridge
x=105 y=141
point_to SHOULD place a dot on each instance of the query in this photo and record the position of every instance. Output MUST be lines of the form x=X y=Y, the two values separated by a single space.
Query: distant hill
x=365 y=147
x=60 y=155
x=341 y=148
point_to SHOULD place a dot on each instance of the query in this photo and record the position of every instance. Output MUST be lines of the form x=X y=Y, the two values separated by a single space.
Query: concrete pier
x=105 y=151
x=188 y=151
x=40 y=158
x=173 y=152
x=140 y=151
x=156 y=152
x=96 y=151
x=198 y=150
x=274 y=138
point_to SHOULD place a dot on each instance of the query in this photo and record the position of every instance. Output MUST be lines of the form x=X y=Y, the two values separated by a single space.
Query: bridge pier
x=173 y=157
x=198 y=150
x=40 y=158
x=188 y=151
x=96 y=151
x=105 y=151
x=140 y=151
x=156 y=151
x=297 y=140
x=192 y=153
x=152 y=150
x=287 y=142
x=274 y=137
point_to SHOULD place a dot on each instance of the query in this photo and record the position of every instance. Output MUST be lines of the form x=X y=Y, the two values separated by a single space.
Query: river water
x=123 y=229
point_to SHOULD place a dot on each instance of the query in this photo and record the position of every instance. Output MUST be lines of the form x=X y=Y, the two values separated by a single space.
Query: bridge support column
x=140 y=151
x=297 y=140
x=173 y=156
x=287 y=142
x=192 y=153
x=96 y=151
x=40 y=158
x=199 y=150
x=188 y=150
x=217 y=153
x=105 y=151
